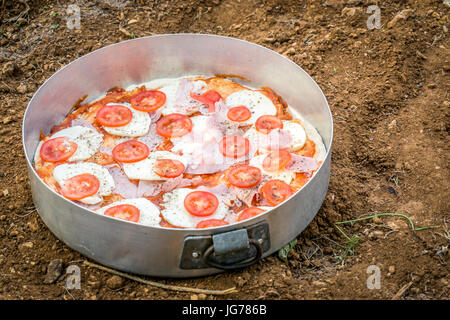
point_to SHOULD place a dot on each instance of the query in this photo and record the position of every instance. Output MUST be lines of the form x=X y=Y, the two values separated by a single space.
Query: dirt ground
x=388 y=90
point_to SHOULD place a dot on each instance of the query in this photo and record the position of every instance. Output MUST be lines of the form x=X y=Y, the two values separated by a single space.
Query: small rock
x=202 y=296
x=8 y=69
x=270 y=40
x=377 y=220
x=33 y=225
x=13 y=233
x=349 y=12
x=319 y=283
x=2 y=217
x=391 y=190
x=376 y=234
x=124 y=32
x=25 y=246
x=393 y=124
x=391 y=269
x=5 y=192
x=402 y=15
x=22 y=88
x=289 y=51
x=94 y=284
x=7 y=120
x=54 y=270
x=194 y=297
x=115 y=282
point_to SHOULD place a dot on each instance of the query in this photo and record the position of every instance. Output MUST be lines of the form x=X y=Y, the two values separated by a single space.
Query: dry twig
x=402 y=290
x=161 y=285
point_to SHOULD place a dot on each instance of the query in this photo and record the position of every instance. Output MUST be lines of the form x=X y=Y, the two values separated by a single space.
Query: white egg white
x=176 y=214
x=149 y=212
x=170 y=88
x=88 y=141
x=255 y=101
x=315 y=137
x=138 y=126
x=143 y=170
x=297 y=133
x=68 y=170
x=283 y=175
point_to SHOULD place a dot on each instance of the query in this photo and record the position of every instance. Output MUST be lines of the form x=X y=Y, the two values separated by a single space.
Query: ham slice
x=151 y=139
x=154 y=115
x=183 y=100
x=246 y=195
x=124 y=186
x=300 y=163
x=82 y=123
x=92 y=207
x=153 y=188
x=201 y=147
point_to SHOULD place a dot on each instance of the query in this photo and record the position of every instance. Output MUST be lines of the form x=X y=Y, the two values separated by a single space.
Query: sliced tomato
x=57 y=149
x=265 y=124
x=168 y=168
x=114 y=116
x=249 y=213
x=174 y=125
x=201 y=203
x=80 y=186
x=276 y=160
x=209 y=98
x=147 y=101
x=234 y=146
x=276 y=191
x=124 y=211
x=244 y=176
x=239 y=114
x=210 y=223
x=130 y=151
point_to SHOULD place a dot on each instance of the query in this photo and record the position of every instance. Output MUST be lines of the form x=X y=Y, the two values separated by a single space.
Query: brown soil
x=389 y=93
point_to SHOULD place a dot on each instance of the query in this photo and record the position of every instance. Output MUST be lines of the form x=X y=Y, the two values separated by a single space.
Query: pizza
x=189 y=152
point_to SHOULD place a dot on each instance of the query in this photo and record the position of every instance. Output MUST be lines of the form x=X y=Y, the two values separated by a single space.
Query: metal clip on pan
x=232 y=244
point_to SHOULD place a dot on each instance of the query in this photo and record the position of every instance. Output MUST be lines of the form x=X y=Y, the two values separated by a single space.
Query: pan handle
x=227 y=250
x=237 y=265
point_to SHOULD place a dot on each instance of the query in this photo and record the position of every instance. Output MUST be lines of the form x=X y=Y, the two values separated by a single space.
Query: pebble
x=26 y=245
x=2 y=217
x=22 y=88
x=194 y=297
x=391 y=269
x=402 y=15
x=289 y=51
x=124 y=32
x=7 y=120
x=8 y=69
x=377 y=220
x=393 y=124
x=54 y=270
x=349 y=12
x=202 y=296
x=115 y=282
x=376 y=234
x=33 y=225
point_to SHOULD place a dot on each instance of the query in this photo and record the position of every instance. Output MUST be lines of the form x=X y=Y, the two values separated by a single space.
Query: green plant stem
x=384 y=214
